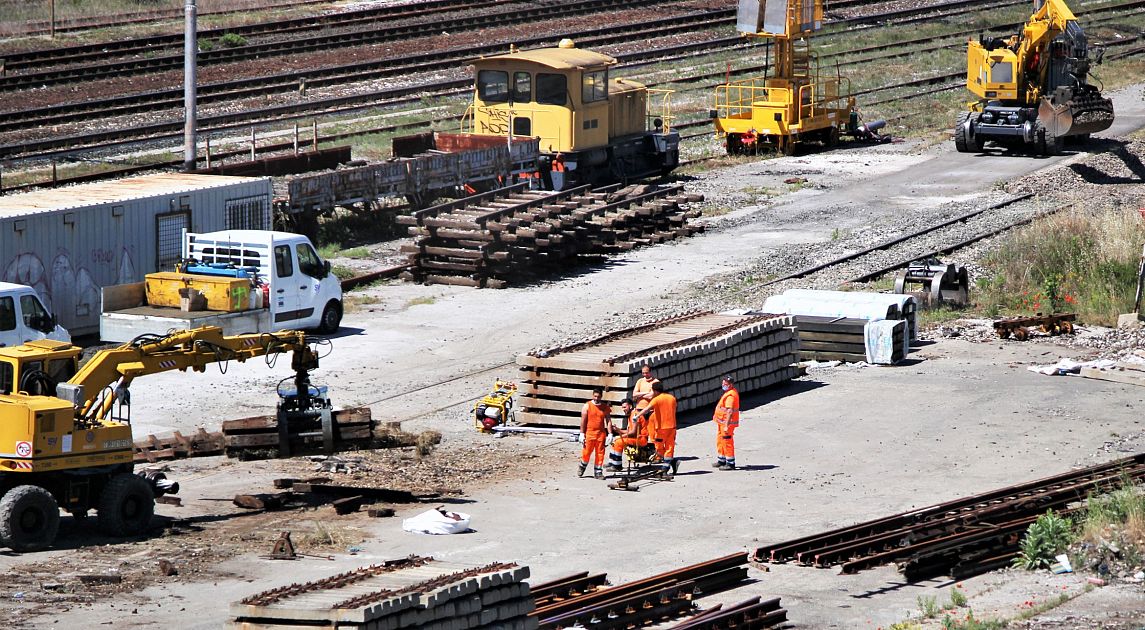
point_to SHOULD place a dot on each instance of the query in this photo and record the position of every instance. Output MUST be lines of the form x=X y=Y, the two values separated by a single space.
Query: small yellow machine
x=496 y=407
x=1031 y=89
x=65 y=433
x=794 y=101
x=593 y=128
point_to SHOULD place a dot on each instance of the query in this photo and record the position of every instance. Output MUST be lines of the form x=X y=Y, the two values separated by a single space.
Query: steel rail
x=44 y=58
x=788 y=550
x=71 y=25
x=314 y=43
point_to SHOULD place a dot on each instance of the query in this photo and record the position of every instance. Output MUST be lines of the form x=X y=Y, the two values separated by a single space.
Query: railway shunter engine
x=592 y=129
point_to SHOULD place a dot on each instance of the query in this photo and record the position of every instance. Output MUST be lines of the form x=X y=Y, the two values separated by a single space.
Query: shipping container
x=67 y=243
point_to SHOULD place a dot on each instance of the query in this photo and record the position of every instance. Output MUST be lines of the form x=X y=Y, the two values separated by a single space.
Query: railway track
x=960 y=537
x=136 y=104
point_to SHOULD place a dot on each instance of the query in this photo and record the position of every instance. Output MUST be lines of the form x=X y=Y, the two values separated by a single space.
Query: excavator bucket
x=1085 y=113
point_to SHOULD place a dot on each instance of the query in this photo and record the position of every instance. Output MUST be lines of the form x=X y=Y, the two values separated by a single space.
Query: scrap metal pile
x=584 y=601
x=958 y=538
x=416 y=593
x=496 y=238
x=688 y=353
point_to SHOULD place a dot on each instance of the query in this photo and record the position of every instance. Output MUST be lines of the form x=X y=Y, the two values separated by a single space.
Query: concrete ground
x=827 y=450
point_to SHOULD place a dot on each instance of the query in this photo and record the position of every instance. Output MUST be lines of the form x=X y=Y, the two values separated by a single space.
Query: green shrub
x=1046 y=537
x=232 y=40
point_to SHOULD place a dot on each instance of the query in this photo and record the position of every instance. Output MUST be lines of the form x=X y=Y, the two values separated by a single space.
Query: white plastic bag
x=437 y=521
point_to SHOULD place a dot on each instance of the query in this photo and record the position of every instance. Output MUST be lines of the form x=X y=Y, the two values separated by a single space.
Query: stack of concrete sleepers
x=689 y=354
x=846 y=339
x=417 y=593
x=859 y=304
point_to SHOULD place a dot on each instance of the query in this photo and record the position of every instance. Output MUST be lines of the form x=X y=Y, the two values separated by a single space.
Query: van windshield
x=34 y=314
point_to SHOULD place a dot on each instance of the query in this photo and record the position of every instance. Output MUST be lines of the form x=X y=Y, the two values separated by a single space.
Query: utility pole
x=190 y=54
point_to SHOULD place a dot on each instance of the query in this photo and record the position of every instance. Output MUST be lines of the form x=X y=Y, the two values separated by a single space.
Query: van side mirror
x=326 y=267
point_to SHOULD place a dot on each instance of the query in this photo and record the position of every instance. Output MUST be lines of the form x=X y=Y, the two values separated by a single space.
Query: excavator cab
x=37 y=367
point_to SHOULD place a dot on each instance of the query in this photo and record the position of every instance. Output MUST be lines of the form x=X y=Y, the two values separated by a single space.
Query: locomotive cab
x=592 y=129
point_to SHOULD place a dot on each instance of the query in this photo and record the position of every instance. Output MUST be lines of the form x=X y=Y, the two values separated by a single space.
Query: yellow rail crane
x=794 y=101
x=65 y=432
x=1031 y=89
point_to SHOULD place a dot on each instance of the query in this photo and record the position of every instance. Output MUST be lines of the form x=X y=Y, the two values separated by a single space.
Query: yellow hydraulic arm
x=106 y=376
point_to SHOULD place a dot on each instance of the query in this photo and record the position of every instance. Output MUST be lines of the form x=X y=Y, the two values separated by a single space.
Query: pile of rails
x=495 y=238
x=583 y=600
x=689 y=354
x=958 y=538
x=416 y=593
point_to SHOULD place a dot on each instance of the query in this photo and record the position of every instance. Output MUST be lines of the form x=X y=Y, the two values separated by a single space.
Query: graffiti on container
x=102 y=256
x=71 y=293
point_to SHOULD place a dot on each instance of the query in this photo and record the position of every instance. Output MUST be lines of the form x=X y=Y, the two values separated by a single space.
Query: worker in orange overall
x=594 y=429
x=661 y=412
x=642 y=393
x=635 y=434
x=726 y=418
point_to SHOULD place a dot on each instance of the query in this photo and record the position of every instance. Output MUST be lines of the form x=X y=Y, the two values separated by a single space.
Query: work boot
x=728 y=467
x=580 y=468
x=613 y=468
x=598 y=473
x=719 y=463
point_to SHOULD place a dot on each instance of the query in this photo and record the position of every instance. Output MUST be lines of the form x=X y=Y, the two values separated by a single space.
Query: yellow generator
x=496 y=407
x=793 y=102
x=592 y=128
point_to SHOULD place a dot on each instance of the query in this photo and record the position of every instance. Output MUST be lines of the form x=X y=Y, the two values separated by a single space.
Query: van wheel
x=331 y=317
x=29 y=518
x=126 y=506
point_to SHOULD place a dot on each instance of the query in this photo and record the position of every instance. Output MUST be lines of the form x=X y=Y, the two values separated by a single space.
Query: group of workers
x=650 y=416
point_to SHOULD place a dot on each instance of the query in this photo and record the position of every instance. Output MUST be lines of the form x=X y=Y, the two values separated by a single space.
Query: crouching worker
x=636 y=435
x=661 y=415
x=594 y=429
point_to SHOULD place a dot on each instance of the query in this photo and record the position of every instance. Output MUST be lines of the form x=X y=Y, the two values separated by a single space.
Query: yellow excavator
x=1032 y=89
x=65 y=432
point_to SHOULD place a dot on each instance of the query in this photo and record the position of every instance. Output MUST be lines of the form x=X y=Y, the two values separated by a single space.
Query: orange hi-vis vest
x=723 y=414
x=597 y=417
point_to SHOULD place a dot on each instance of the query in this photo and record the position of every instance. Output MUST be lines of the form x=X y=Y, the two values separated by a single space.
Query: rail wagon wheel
x=126 y=506
x=29 y=518
x=1021 y=333
x=1004 y=332
x=1067 y=328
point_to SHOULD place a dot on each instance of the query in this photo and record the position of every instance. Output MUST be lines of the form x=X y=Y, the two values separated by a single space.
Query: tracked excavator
x=1032 y=89
x=65 y=432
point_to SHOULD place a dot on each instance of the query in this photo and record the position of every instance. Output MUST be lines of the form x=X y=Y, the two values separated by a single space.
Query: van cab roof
x=8 y=286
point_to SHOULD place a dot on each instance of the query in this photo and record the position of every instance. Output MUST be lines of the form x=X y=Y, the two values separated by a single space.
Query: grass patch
x=429 y=299
x=1078 y=260
x=356 y=303
x=928 y=607
x=326 y=536
x=940 y=315
x=356 y=253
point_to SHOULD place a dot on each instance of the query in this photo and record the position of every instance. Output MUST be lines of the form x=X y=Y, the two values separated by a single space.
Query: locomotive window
x=493 y=86
x=594 y=87
x=551 y=89
x=1002 y=72
x=522 y=126
x=522 y=87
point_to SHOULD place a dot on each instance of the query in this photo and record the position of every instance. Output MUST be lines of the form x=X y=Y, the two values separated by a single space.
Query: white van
x=23 y=317
x=294 y=288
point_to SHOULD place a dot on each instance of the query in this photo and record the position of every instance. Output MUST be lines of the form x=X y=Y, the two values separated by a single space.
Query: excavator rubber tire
x=29 y=519
x=126 y=506
x=961 y=142
x=1048 y=143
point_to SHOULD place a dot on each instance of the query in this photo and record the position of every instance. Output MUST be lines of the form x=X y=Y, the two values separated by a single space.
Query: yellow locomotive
x=592 y=128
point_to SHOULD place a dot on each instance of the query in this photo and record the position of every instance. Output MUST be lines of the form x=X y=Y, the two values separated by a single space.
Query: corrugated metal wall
x=68 y=255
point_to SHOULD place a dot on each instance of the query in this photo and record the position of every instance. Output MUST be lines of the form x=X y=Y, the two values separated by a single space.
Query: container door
x=284 y=288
